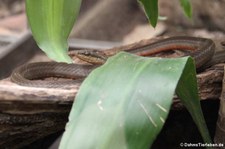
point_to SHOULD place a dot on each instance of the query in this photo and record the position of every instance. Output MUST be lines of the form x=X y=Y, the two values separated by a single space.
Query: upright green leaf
x=186 y=5
x=151 y=10
x=51 y=22
x=187 y=90
x=124 y=103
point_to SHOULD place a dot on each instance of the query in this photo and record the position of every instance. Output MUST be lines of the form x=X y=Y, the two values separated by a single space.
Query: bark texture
x=220 y=127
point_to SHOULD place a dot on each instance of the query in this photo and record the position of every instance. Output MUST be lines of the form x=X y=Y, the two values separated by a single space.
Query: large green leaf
x=124 y=103
x=51 y=22
x=151 y=10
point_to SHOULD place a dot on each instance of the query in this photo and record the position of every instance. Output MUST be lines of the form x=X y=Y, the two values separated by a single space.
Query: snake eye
x=92 y=56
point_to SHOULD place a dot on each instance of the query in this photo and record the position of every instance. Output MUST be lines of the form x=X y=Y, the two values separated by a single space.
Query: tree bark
x=220 y=127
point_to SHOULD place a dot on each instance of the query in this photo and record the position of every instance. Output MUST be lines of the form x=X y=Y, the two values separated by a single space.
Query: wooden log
x=29 y=113
x=220 y=127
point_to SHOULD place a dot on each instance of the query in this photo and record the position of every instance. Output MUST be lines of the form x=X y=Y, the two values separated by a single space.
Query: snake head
x=92 y=56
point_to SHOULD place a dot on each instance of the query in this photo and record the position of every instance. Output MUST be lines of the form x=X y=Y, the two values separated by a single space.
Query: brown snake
x=25 y=75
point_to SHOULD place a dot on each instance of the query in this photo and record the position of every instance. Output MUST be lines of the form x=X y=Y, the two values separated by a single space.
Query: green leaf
x=186 y=5
x=51 y=22
x=151 y=10
x=124 y=103
x=187 y=90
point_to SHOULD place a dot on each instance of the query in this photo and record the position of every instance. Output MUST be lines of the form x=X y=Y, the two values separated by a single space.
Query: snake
x=201 y=49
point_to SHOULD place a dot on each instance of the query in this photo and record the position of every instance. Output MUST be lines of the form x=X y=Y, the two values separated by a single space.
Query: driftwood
x=28 y=114
x=220 y=128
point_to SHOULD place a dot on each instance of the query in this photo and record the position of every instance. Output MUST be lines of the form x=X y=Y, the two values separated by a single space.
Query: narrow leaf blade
x=151 y=10
x=51 y=22
x=186 y=5
x=187 y=90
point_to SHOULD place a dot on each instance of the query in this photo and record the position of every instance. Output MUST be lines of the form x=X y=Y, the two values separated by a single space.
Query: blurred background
x=124 y=21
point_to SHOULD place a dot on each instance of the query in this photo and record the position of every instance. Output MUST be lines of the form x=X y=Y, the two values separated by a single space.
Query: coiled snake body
x=25 y=75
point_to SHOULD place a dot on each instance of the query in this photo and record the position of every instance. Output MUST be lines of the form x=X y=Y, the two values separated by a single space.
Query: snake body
x=25 y=75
